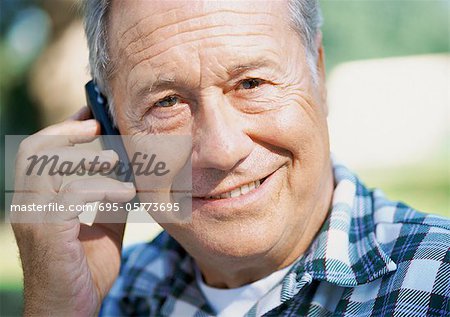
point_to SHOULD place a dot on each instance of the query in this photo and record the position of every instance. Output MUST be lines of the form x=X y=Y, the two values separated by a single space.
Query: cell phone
x=110 y=135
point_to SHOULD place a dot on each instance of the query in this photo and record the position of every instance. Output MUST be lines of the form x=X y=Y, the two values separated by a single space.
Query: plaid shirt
x=372 y=257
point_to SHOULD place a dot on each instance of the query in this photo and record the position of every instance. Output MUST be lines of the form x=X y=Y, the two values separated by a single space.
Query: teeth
x=244 y=189
x=236 y=192
x=225 y=195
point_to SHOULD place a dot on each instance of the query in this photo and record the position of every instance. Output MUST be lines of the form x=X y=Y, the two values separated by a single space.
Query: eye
x=250 y=83
x=168 y=101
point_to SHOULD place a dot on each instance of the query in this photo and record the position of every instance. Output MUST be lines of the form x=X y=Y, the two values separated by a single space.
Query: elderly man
x=277 y=228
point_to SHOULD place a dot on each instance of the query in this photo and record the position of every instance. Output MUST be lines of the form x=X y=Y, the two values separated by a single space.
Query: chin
x=232 y=239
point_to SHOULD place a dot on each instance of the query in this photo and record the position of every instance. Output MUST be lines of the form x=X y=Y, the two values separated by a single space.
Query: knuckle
x=26 y=147
x=77 y=187
x=67 y=189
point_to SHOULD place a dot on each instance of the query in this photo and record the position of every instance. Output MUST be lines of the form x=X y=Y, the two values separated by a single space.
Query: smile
x=244 y=189
x=241 y=198
x=247 y=197
x=239 y=191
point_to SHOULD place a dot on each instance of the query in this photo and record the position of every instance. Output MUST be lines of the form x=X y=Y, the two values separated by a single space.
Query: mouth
x=249 y=198
x=238 y=191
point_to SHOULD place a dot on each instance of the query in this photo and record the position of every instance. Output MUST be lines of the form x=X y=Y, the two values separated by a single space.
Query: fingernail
x=128 y=185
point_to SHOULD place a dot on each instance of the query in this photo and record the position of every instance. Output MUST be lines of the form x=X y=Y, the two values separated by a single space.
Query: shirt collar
x=345 y=252
x=180 y=285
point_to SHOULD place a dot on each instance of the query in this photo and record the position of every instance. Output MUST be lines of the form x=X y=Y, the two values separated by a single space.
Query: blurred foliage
x=426 y=189
x=356 y=30
x=352 y=30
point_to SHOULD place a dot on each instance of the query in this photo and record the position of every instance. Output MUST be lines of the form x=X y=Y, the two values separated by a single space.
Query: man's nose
x=219 y=135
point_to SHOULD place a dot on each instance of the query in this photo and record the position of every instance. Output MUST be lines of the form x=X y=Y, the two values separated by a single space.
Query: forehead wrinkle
x=149 y=71
x=264 y=58
x=138 y=28
x=165 y=50
x=185 y=33
x=188 y=25
x=178 y=15
x=134 y=28
x=164 y=81
x=165 y=76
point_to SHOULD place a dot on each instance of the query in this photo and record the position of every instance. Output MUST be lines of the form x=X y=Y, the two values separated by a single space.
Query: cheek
x=293 y=127
x=301 y=133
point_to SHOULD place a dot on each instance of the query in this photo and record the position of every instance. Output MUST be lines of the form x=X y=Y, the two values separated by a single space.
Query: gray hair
x=306 y=17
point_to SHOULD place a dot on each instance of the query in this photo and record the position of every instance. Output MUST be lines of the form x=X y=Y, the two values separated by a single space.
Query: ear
x=321 y=73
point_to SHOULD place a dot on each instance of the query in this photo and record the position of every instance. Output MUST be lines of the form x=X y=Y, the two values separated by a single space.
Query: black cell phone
x=110 y=135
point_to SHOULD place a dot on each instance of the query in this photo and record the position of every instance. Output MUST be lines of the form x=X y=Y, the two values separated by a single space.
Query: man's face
x=233 y=75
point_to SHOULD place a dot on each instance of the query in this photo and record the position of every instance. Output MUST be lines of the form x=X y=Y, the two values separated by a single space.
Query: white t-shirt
x=238 y=301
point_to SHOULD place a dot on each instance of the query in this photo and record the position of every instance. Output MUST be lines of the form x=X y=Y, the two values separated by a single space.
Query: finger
x=83 y=191
x=110 y=215
x=74 y=127
x=83 y=114
x=66 y=133
x=69 y=160
x=45 y=170
x=114 y=231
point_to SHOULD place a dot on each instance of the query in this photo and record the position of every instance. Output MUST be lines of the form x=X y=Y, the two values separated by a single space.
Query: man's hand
x=68 y=267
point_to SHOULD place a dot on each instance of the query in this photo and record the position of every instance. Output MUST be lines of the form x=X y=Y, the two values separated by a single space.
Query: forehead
x=132 y=16
x=164 y=34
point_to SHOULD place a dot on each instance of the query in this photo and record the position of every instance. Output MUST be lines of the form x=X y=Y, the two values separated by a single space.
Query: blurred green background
x=32 y=32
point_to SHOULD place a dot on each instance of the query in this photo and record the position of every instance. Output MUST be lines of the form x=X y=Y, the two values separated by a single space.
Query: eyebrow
x=160 y=83
x=241 y=68
x=166 y=82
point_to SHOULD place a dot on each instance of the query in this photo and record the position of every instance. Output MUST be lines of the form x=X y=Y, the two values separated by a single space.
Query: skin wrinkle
x=134 y=67
x=199 y=57
x=145 y=89
x=232 y=177
x=149 y=128
x=232 y=145
x=167 y=50
x=274 y=103
x=140 y=38
x=177 y=33
x=189 y=19
x=161 y=83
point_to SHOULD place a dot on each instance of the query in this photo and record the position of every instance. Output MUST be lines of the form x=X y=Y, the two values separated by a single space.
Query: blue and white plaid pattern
x=372 y=257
